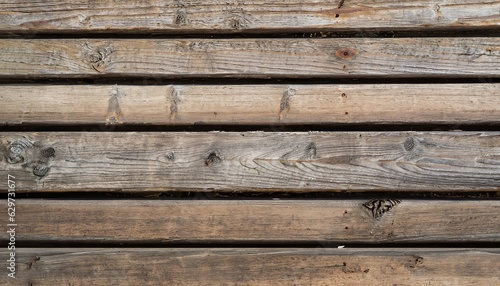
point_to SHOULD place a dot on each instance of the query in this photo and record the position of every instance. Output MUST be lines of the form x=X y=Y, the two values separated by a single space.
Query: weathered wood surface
x=269 y=266
x=251 y=104
x=263 y=221
x=259 y=161
x=259 y=58
x=213 y=16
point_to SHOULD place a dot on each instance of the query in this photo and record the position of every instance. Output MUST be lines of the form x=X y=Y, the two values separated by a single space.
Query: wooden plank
x=276 y=266
x=264 y=221
x=251 y=104
x=257 y=16
x=259 y=58
x=257 y=161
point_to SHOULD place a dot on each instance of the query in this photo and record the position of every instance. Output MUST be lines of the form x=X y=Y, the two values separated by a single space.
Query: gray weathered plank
x=251 y=104
x=264 y=221
x=269 y=266
x=259 y=58
x=257 y=161
x=212 y=16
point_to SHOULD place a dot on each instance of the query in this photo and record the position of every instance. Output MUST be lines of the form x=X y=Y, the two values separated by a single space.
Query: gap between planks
x=252 y=161
x=251 y=58
x=256 y=266
x=249 y=221
x=384 y=104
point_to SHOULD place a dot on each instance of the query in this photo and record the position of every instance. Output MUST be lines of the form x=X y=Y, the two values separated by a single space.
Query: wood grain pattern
x=269 y=266
x=258 y=58
x=250 y=221
x=257 y=16
x=258 y=161
x=251 y=104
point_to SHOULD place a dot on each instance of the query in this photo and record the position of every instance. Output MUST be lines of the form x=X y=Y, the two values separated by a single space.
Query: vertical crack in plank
x=286 y=103
x=114 y=114
x=173 y=98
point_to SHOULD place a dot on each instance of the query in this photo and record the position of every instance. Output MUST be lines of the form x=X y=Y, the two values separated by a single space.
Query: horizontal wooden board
x=269 y=266
x=261 y=221
x=257 y=16
x=257 y=161
x=259 y=58
x=251 y=104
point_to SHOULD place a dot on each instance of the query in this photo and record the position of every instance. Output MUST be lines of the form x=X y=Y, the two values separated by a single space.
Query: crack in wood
x=115 y=114
x=341 y=3
x=285 y=102
x=174 y=98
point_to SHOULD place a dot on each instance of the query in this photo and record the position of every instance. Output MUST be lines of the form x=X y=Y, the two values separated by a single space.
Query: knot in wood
x=17 y=149
x=213 y=159
x=170 y=156
x=41 y=170
x=98 y=57
x=346 y=53
x=48 y=152
x=409 y=144
x=380 y=207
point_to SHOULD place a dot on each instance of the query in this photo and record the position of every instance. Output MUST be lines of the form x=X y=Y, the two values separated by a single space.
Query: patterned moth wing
x=379 y=207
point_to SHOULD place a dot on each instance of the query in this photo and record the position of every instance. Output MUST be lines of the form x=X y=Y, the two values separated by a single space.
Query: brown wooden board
x=251 y=104
x=276 y=266
x=257 y=221
x=256 y=58
x=252 y=161
x=212 y=16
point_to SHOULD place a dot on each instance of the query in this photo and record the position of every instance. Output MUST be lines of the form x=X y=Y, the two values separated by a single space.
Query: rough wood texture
x=243 y=221
x=251 y=104
x=259 y=58
x=332 y=161
x=213 y=16
x=283 y=266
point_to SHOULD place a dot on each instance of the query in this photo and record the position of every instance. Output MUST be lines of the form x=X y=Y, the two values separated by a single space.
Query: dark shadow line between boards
x=159 y=79
x=261 y=195
x=318 y=244
x=204 y=127
x=276 y=33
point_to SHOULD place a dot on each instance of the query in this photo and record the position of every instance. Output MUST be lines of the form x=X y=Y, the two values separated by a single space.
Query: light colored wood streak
x=259 y=58
x=244 y=221
x=251 y=104
x=269 y=266
x=258 y=161
x=212 y=16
